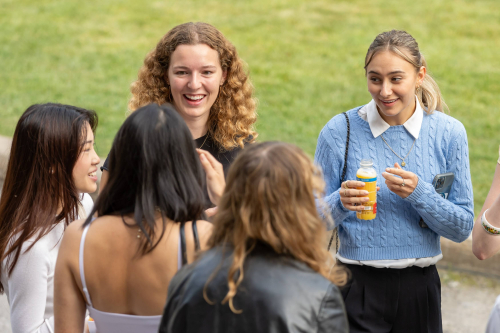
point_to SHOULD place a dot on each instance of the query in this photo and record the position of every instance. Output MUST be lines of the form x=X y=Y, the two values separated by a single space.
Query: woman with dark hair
x=119 y=265
x=267 y=269
x=197 y=69
x=52 y=164
x=404 y=133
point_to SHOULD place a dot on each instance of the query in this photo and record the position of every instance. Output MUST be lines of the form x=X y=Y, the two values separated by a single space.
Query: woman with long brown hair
x=197 y=69
x=52 y=164
x=267 y=269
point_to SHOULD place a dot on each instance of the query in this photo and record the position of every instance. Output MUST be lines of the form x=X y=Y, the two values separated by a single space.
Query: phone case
x=442 y=184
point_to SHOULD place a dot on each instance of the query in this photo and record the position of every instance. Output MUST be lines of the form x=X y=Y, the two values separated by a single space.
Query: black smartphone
x=442 y=184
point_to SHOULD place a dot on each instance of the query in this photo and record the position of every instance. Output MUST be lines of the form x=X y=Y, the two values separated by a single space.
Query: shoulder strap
x=80 y=258
x=183 y=244
x=183 y=241
x=342 y=178
x=196 y=236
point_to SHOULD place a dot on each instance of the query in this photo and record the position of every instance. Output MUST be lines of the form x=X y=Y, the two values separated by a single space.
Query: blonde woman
x=267 y=269
x=395 y=284
x=198 y=70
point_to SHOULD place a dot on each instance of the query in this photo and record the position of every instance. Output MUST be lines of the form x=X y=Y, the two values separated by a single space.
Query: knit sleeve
x=452 y=218
x=331 y=162
x=28 y=292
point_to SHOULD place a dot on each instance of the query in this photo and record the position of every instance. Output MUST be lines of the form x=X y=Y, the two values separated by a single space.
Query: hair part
x=233 y=115
x=39 y=190
x=404 y=45
x=153 y=166
x=270 y=199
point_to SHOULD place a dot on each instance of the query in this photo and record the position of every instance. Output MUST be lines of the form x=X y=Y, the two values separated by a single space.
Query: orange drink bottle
x=367 y=174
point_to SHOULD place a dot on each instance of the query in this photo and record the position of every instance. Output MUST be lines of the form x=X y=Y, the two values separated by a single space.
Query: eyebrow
x=88 y=141
x=393 y=72
x=206 y=66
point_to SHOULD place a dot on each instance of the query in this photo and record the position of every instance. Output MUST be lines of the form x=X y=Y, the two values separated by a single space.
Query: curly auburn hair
x=232 y=115
x=270 y=198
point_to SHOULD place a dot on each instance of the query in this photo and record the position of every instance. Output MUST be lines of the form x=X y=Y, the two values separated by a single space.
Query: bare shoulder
x=204 y=227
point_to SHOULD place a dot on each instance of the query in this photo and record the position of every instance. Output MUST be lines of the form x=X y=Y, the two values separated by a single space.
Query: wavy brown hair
x=232 y=116
x=404 y=45
x=270 y=198
x=39 y=191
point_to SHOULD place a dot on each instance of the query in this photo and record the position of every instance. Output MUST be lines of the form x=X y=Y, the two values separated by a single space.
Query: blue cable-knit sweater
x=395 y=233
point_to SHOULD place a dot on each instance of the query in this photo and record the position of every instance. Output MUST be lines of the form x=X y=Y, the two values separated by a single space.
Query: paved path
x=466 y=302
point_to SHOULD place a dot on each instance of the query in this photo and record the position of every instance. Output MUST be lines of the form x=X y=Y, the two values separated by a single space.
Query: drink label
x=370 y=208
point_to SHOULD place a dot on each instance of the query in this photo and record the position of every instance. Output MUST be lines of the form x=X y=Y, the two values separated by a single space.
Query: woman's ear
x=223 y=79
x=421 y=75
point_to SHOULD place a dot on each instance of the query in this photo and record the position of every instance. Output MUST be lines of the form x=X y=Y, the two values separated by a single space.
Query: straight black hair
x=46 y=145
x=153 y=166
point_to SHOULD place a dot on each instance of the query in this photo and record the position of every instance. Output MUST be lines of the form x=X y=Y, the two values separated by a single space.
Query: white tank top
x=107 y=322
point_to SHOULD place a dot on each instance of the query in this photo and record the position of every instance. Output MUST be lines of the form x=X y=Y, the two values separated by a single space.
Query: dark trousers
x=393 y=300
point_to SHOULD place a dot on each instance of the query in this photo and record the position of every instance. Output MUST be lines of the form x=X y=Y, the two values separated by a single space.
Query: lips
x=193 y=99
x=389 y=102
x=93 y=175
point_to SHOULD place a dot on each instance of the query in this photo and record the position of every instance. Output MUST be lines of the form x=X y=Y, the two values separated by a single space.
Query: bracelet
x=488 y=227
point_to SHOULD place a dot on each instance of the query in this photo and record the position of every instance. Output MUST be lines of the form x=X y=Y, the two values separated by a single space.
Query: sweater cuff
x=421 y=191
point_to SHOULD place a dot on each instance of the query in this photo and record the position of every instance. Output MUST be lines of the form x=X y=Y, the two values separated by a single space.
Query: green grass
x=305 y=59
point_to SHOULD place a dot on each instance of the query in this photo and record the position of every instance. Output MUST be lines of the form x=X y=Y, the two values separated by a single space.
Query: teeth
x=194 y=97
x=93 y=174
x=392 y=100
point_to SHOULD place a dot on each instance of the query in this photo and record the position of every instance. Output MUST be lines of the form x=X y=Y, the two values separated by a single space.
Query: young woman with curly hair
x=268 y=269
x=195 y=68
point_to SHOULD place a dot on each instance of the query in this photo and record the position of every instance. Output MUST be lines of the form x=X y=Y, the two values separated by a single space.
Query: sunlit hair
x=232 y=115
x=39 y=181
x=155 y=152
x=404 y=45
x=270 y=198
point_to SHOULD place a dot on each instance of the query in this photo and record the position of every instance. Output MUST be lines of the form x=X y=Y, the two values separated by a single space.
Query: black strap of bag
x=183 y=241
x=335 y=232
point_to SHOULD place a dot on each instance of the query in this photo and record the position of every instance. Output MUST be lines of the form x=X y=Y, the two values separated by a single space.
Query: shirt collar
x=378 y=125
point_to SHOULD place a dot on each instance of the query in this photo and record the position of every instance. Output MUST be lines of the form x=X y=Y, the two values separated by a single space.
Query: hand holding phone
x=442 y=184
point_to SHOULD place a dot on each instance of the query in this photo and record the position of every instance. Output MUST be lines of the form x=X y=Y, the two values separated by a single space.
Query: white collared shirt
x=378 y=126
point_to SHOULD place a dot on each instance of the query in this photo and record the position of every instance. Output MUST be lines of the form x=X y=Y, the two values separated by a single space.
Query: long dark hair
x=153 y=166
x=46 y=145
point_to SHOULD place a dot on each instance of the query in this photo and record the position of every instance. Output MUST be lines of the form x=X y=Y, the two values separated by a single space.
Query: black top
x=277 y=295
x=225 y=157
x=206 y=142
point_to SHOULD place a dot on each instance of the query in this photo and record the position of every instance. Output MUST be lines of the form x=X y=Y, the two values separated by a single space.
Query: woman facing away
x=267 y=269
x=119 y=265
x=395 y=284
x=486 y=237
x=195 y=68
x=52 y=166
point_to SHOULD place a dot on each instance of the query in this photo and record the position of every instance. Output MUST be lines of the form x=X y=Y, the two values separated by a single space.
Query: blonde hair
x=269 y=198
x=398 y=41
x=232 y=116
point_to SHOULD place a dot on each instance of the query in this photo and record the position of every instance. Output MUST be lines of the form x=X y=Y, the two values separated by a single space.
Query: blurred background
x=305 y=60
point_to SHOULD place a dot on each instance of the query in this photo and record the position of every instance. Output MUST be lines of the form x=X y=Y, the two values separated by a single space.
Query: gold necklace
x=203 y=142
x=403 y=163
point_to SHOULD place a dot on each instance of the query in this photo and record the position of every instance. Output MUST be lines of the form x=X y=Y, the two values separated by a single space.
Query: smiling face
x=85 y=169
x=195 y=76
x=392 y=82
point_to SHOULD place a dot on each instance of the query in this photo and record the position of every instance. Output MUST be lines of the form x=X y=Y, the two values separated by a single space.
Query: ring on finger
x=345 y=192
x=403 y=183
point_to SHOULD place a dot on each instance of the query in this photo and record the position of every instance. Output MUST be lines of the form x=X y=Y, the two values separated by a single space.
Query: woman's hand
x=215 y=175
x=352 y=198
x=403 y=186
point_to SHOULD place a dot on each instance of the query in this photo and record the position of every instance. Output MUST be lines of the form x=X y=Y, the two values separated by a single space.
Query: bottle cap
x=366 y=163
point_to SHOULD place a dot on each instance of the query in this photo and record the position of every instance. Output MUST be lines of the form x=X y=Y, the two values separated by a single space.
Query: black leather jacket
x=277 y=294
